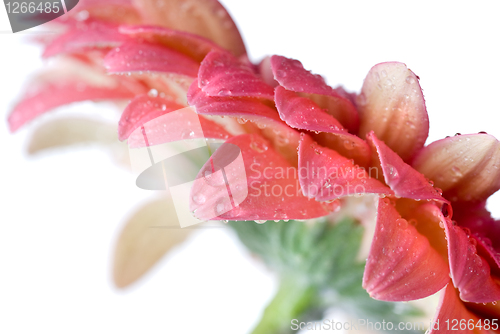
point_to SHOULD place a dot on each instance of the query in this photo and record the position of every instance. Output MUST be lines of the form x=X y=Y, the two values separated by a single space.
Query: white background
x=60 y=213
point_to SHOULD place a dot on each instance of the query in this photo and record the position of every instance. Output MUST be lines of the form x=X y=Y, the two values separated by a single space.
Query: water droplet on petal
x=199 y=198
x=153 y=93
x=410 y=80
x=258 y=146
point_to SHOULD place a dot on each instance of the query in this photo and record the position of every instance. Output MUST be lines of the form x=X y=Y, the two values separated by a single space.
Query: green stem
x=292 y=300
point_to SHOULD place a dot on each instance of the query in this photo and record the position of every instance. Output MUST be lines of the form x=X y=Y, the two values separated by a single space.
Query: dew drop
x=349 y=144
x=199 y=199
x=153 y=93
x=410 y=80
x=403 y=223
x=260 y=221
x=258 y=146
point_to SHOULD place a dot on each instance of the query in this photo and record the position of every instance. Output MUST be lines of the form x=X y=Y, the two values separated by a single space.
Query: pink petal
x=401 y=177
x=191 y=45
x=149 y=124
x=291 y=74
x=402 y=265
x=465 y=167
x=228 y=106
x=302 y=113
x=392 y=105
x=451 y=308
x=135 y=56
x=206 y=18
x=221 y=74
x=326 y=175
x=85 y=35
x=469 y=271
x=484 y=229
x=142 y=109
x=273 y=187
x=53 y=95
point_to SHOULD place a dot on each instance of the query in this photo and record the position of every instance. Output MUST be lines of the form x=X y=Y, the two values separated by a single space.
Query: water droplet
x=441 y=224
x=403 y=223
x=241 y=120
x=153 y=93
x=82 y=15
x=224 y=92
x=383 y=73
x=456 y=172
x=258 y=146
x=413 y=222
x=187 y=134
x=349 y=144
x=393 y=172
x=260 y=221
x=199 y=198
x=410 y=80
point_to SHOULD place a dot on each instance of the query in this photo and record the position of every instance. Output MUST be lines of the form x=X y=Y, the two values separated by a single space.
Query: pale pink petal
x=163 y=121
x=302 y=113
x=221 y=74
x=291 y=74
x=326 y=175
x=191 y=45
x=392 y=105
x=53 y=95
x=402 y=265
x=134 y=56
x=117 y=11
x=273 y=187
x=451 y=313
x=401 y=177
x=465 y=167
x=206 y=18
x=266 y=72
x=84 y=36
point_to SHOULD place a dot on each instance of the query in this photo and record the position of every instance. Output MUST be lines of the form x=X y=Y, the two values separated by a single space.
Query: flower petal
x=72 y=87
x=402 y=265
x=302 y=113
x=191 y=45
x=392 y=105
x=84 y=36
x=465 y=167
x=119 y=11
x=326 y=175
x=470 y=272
x=273 y=187
x=140 y=245
x=221 y=74
x=291 y=74
x=70 y=131
x=228 y=106
x=285 y=140
x=145 y=117
x=134 y=56
x=451 y=308
x=401 y=177
x=206 y=18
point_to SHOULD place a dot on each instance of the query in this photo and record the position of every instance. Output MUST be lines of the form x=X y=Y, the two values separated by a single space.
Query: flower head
x=306 y=147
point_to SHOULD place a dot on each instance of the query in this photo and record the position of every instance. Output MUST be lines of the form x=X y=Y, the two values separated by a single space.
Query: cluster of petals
x=432 y=230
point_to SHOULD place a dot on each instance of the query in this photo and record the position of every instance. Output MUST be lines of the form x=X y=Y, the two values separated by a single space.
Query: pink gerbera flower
x=307 y=148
